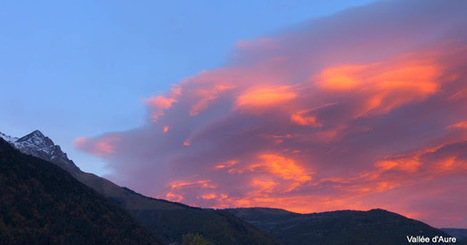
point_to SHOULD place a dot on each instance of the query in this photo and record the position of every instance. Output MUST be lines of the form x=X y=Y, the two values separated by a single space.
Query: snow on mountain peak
x=38 y=145
x=8 y=138
x=35 y=139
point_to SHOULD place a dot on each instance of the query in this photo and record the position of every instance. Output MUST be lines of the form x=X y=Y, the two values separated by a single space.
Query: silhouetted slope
x=376 y=226
x=167 y=220
x=42 y=204
x=218 y=227
x=461 y=234
x=170 y=221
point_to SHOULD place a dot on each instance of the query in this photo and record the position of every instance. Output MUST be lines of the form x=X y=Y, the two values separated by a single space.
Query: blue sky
x=74 y=69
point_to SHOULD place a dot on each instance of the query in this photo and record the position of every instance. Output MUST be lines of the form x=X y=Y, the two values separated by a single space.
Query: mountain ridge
x=41 y=203
x=167 y=220
x=375 y=226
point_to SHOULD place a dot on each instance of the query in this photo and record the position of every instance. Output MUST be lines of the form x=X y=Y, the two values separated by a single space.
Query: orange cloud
x=277 y=166
x=228 y=164
x=193 y=184
x=384 y=86
x=282 y=167
x=342 y=113
x=301 y=118
x=173 y=197
x=404 y=164
x=341 y=77
x=298 y=204
x=209 y=196
x=462 y=125
x=261 y=97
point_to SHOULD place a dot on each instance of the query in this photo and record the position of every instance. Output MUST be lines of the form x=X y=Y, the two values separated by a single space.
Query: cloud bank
x=363 y=109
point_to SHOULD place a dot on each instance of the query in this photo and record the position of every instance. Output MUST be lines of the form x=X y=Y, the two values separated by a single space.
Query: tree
x=194 y=239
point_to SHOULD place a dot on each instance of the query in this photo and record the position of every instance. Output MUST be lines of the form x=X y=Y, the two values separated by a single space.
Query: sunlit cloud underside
x=363 y=109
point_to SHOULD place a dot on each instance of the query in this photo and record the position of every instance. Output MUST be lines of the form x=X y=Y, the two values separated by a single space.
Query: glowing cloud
x=301 y=118
x=101 y=147
x=282 y=167
x=263 y=97
x=344 y=112
x=206 y=96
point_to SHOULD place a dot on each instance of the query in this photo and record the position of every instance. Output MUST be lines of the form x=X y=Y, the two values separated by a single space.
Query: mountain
x=169 y=221
x=376 y=226
x=38 y=145
x=172 y=221
x=41 y=203
x=461 y=234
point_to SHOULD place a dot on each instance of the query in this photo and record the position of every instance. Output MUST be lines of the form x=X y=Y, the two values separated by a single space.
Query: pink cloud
x=161 y=103
x=100 y=147
x=358 y=110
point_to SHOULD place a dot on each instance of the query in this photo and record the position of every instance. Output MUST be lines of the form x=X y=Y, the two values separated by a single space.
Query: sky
x=80 y=68
x=294 y=105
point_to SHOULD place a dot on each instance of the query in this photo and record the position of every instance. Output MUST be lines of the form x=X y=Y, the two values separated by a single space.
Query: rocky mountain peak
x=38 y=145
x=37 y=138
